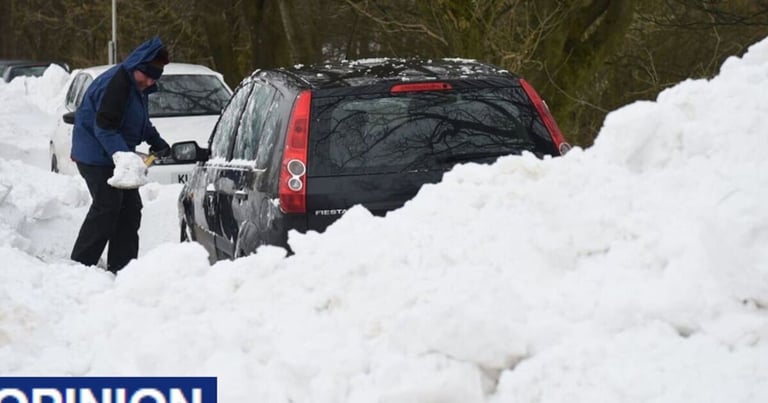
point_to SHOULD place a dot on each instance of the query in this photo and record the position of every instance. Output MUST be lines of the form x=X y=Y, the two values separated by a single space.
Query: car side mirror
x=189 y=151
x=69 y=118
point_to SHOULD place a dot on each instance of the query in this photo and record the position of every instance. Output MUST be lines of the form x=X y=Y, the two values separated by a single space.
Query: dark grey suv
x=295 y=148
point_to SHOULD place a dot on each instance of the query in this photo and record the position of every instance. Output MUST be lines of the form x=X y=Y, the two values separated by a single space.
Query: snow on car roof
x=373 y=70
x=170 y=69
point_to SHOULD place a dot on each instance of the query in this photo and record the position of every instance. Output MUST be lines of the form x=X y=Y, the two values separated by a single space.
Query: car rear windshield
x=188 y=94
x=28 y=71
x=387 y=133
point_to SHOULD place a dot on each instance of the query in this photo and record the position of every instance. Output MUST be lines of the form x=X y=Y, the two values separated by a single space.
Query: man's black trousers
x=114 y=217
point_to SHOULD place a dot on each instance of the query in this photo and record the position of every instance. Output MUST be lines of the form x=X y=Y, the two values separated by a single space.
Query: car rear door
x=213 y=176
x=237 y=187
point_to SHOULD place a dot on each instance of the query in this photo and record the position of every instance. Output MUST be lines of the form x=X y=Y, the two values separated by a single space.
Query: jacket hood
x=145 y=52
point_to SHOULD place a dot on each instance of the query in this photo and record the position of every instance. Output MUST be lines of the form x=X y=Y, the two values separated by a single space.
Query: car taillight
x=549 y=120
x=293 y=169
x=416 y=87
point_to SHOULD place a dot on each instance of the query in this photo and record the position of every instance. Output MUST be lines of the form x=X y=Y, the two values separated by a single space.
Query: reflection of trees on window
x=224 y=133
x=269 y=132
x=250 y=130
x=86 y=82
x=76 y=90
x=27 y=71
x=424 y=130
x=188 y=94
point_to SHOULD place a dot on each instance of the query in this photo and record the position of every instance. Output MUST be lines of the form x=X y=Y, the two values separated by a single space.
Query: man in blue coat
x=111 y=121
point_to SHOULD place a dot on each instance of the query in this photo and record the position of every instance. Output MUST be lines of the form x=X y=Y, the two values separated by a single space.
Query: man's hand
x=130 y=171
x=162 y=153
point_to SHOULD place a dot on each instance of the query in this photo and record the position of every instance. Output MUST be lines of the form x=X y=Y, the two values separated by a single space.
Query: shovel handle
x=149 y=159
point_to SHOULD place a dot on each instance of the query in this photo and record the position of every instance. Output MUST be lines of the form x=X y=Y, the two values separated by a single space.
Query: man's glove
x=130 y=171
x=162 y=153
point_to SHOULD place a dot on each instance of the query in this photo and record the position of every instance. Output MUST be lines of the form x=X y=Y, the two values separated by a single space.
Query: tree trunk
x=290 y=35
x=573 y=51
x=6 y=25
x=218 y=34
x=253 y=19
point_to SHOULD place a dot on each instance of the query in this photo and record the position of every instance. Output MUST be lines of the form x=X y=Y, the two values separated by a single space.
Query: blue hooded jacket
x=114 y=115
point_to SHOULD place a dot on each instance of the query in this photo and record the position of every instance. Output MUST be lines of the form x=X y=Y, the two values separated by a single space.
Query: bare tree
x=6 y=22
x=586 y=57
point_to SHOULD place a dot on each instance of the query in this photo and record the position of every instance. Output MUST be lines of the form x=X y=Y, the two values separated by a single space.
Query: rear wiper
x=476 y=155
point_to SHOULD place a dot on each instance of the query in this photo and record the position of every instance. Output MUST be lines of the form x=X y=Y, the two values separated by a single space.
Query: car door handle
x=241 y=195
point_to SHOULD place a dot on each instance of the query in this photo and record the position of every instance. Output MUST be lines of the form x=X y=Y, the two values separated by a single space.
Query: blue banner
x=107 y=390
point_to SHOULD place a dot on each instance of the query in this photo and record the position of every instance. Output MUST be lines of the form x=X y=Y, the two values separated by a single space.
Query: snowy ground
x=634 y=271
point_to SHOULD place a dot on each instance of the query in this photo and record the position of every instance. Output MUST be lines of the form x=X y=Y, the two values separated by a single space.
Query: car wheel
x=244 y=244
x=185 y=233
x=54 y=164
x=239 y=252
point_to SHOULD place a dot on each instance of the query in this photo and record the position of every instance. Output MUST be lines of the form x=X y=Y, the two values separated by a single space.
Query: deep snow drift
x=634 y=271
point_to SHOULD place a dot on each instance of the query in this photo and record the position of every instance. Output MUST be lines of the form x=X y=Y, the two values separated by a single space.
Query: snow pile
x=633 y=271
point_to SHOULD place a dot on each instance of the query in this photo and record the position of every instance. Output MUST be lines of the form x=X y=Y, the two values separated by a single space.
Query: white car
x=186 y=107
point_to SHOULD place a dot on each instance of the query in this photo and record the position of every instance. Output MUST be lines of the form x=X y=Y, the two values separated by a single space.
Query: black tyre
x=54 y=164
x=184 y=235
x=239 y=252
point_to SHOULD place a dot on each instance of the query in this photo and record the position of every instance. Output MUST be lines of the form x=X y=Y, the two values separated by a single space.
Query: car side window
x=77 y=90
x=71 y=93
x=84 y=84
x=255 y=114
x=224 y=133
x=269 y=133
x=71 y=99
